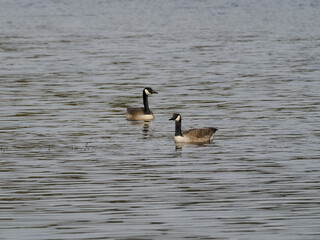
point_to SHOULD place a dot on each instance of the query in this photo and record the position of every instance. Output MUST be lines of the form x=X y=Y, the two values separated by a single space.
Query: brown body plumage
x=138 y=114
x=199 y=135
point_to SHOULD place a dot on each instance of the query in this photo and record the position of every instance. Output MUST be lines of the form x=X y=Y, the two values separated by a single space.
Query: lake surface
x=72 y=167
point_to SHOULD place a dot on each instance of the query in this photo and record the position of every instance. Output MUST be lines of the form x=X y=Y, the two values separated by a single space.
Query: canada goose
x=193 y=135
x=143 y=113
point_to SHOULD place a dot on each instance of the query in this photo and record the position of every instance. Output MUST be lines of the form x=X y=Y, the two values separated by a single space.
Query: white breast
x=180 y=139
x=147 y=117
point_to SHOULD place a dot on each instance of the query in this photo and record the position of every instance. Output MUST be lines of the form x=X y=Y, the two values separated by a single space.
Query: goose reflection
x=144 y=126
x=145 y=129
x=179 y=146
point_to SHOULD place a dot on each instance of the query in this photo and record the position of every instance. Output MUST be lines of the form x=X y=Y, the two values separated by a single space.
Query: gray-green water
x=72 y=167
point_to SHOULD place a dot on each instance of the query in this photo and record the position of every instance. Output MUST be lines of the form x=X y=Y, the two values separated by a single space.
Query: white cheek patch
x=178 y=118
x=147 y=92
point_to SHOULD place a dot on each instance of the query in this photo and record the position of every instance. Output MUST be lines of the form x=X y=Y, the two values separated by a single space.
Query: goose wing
x=201 y=134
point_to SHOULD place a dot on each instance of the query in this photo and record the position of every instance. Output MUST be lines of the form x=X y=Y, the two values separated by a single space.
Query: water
x=72 y=167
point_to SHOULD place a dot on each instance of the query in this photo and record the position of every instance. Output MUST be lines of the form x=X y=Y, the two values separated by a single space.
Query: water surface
x=72 y=167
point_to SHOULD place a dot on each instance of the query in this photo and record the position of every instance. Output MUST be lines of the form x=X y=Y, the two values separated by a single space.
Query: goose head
x=176 y=117
x=149 y=91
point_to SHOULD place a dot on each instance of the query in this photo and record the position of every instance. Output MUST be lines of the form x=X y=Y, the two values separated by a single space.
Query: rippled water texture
x=72 y=167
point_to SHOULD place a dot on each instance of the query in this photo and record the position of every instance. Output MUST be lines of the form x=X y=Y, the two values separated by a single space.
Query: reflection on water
x=144 y=125
x=180 y=146
x=72 y=167
x=145 y=129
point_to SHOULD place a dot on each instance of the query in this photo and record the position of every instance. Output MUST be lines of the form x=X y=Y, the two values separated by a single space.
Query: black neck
x=145 y=103
x=178 y=128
